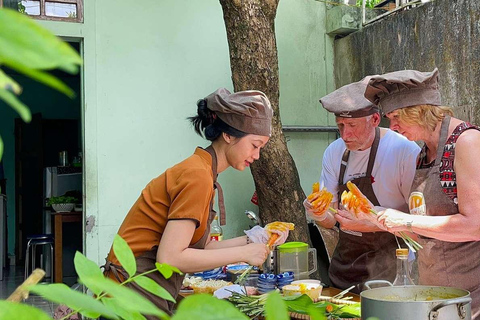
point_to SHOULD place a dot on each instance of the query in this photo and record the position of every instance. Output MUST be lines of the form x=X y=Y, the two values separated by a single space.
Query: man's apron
x=441 y=263
x=370 y=256
x=147 y=260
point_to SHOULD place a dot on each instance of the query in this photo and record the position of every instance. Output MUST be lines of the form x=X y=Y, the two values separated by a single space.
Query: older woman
x=447 y=175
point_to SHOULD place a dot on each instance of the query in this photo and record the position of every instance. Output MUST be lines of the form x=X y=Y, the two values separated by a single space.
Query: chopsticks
x=341 y=294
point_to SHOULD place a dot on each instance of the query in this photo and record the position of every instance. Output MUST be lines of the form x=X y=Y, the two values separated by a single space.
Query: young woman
x=447 y=175
x=170 y=221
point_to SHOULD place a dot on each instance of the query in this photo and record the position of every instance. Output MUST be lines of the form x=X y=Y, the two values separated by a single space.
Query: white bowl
x=309 y=281
x=63 y=207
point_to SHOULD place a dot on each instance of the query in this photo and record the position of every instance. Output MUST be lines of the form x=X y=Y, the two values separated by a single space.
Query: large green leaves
x=25 y=43
x=13 y=310
x=88 y=272
x=275 y=307
x=153 y=287
x=299 y=304
x=119 y=309
x=128 y=298
x=124 y=255
x=29 y=48
x=8 y=83
x=207 y=307
x=60 y=293
x=166 y=270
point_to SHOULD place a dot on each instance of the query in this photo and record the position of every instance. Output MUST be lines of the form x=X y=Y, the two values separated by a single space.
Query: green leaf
x=44 y=78
x=14 y=310
x=62 y=294
x=1 y=149
x=275 y=307
x=127 y=297
x=114 y=305
x=299 y=304
x=124 y=255
x=9 y=84
x=153 y=287
x=207 y=307
x=16 y=104
x=350 y=311
x=88 y=272
x=25 y=42
x=166 y=270
x=316 y=313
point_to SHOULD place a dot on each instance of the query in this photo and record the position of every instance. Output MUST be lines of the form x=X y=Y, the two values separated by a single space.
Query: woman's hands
x=256 y=253
x=393 y=220
x=261 y=235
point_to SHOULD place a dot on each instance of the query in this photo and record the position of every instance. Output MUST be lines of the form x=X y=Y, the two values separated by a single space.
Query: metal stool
x=33 y=242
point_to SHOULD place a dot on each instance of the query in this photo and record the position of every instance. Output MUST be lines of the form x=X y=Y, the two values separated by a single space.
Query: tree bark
x=254 y=64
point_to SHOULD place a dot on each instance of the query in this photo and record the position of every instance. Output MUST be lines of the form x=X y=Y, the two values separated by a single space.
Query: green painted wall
x=147 y=65
x=40 y=99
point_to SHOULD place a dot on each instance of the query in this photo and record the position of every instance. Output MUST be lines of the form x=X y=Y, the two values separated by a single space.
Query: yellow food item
x=279 y=226
x=354 y=200
x=320 y=199
x=313 y=290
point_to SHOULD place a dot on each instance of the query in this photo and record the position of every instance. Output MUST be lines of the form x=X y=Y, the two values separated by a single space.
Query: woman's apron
x=147 y=260
x=357 y=259
x=441 y=263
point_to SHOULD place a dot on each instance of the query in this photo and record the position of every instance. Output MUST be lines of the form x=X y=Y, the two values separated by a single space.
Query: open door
x=28 y=182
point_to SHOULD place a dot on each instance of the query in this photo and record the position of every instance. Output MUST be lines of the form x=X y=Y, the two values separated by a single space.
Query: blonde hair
x=424 y=115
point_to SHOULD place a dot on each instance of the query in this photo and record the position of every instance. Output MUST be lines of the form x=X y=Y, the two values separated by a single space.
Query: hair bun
x=204 y=112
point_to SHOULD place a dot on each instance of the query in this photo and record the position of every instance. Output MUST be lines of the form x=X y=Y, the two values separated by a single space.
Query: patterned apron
x=146 y=261
x=441 y=263
x=367 y=257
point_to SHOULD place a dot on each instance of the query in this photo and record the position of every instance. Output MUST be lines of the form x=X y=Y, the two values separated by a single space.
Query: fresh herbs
x=61 y=199
x=254 y=306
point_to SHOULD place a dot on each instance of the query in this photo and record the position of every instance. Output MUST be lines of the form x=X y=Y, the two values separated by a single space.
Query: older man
x=382 y=164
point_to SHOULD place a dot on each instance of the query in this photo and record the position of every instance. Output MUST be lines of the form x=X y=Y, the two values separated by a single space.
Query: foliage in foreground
x=111 y=300
x=31 y=50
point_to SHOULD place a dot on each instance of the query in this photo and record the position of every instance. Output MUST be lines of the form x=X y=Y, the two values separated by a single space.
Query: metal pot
x=415 y=302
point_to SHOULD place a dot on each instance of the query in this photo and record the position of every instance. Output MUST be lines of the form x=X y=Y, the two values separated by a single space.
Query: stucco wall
x=147 y=65
x=443 y=34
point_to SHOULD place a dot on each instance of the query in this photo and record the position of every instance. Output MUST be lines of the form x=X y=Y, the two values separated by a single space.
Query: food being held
x=354 y=201
x=277 y=226
x=320 y=199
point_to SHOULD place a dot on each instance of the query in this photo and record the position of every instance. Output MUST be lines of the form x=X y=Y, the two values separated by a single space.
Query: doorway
x=32 y=148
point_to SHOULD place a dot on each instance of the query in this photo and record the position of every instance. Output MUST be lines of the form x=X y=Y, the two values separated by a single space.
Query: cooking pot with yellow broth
x=415 y=302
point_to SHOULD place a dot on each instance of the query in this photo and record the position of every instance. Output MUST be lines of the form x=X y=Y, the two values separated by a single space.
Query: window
x=59 y=10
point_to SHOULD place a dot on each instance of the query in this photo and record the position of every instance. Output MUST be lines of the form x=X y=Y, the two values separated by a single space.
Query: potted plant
x=62 y=203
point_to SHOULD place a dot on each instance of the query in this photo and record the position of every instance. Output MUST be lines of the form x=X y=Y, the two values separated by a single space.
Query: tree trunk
x=254 y=63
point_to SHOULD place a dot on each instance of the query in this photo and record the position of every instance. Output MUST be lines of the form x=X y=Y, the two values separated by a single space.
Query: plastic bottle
x=403 y=271
x=216 y=232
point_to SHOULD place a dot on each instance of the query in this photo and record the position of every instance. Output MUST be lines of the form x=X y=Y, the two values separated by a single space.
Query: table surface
x=59 y=219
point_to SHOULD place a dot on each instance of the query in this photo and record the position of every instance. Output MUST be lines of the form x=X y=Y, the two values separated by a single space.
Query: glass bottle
x=216 y=232
x=403 y=271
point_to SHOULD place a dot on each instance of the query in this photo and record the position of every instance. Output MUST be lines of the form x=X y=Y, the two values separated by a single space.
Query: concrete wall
x=443 y=34
x=146 y=66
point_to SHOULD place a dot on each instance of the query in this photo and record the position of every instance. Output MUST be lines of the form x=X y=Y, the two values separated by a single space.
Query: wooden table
x=330 y=292
x=59 y=219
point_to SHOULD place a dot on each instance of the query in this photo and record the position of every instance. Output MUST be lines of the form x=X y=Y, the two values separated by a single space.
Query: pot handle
x=368 y=283
x=433 y=315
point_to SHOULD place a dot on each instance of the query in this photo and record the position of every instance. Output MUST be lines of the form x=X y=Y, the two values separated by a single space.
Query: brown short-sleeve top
x=181 y=192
